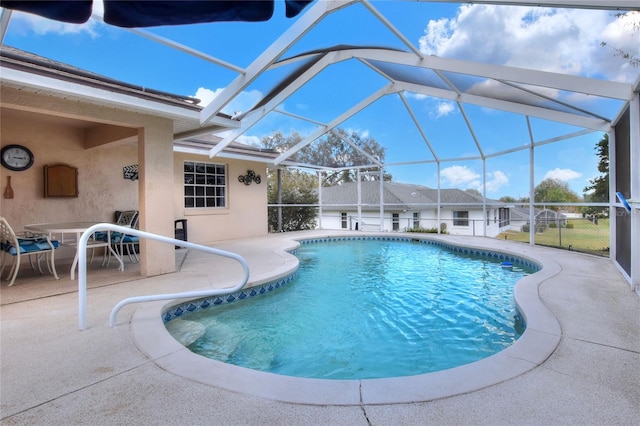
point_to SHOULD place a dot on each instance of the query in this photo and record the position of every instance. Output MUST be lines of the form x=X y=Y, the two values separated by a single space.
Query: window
x=396 y=221
x=416 y=220
x=205 y=185
x=505 y=218
x=460 y=218
x=343 y=220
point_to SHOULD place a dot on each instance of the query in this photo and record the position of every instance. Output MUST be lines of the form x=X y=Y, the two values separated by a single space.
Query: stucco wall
x=244 y=216
x=102 y=189
x=371 y=221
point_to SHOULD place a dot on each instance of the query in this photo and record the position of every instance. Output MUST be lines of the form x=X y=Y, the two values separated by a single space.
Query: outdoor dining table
x=77 y=229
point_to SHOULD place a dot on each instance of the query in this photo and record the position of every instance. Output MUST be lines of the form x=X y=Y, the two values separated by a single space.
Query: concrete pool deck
x=52 y=373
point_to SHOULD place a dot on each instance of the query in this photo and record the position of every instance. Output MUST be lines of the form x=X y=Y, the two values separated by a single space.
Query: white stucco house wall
x=407 y=206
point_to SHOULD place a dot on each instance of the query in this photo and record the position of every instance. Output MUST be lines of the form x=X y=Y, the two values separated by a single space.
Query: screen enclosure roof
x=402 y=83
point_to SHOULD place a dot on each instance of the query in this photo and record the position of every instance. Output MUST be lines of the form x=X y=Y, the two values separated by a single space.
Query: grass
x=585 y=236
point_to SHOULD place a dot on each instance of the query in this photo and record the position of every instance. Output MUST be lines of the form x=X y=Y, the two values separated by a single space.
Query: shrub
x=424 y=230
x=569 y=225
x=553 y=225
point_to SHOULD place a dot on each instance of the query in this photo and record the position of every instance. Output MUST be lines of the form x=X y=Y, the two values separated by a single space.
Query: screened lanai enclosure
x=449 y=114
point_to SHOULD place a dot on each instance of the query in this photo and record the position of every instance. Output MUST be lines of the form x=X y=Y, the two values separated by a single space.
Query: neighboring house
x=409 y=206
x=103 y=127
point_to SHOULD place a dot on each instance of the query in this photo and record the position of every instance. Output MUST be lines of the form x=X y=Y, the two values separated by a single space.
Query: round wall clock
x=16 y=157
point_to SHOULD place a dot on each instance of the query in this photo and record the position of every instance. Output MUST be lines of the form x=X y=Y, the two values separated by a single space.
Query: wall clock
x=16 y=157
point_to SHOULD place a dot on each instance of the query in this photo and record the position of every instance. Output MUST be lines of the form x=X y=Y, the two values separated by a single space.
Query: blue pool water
x=365 y=309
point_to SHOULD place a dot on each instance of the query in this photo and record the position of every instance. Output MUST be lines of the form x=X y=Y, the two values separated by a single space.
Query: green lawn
x=585 y=236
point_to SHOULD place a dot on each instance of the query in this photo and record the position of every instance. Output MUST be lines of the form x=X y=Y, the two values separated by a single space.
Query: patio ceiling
x=403 y=73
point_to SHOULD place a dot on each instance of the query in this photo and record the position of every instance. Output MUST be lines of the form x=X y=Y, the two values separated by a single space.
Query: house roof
x=26 y=71
x=396 y=196
x=35 y=65
x=12 y=58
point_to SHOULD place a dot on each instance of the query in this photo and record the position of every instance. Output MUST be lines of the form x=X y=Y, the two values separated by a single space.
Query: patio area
x=52 y=373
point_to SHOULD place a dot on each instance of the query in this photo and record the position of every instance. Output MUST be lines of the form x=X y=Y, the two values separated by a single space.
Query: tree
x=298 y=187
x=554 y=191
x=633 y=21
x=508 y=199
x=598 y=191
x=332 y=151
x=473 y=191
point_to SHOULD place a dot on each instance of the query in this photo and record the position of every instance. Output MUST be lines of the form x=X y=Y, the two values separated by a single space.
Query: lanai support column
x=634 y=161
x=359 y=188
x=280 y=201
x=320 y=200
x=484 y=197
x=439 y=206
x=613 y=243
x=381 y=199
x=532 y=213
x=155 y=186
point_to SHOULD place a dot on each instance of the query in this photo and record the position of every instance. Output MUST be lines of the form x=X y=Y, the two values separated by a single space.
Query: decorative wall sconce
x=250 y=177
x=130 y=172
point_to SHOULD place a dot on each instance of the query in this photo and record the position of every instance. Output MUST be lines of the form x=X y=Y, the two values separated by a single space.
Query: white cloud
x=496 y=180
x=462 y=177
x=443 y=109
x=25 y=23
x=240 y=104
x=564 y=175
x=249 y=140
x=364 y=134
x=559 y=40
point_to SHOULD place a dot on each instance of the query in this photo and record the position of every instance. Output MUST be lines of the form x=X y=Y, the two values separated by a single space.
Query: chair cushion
x=30 y=246
x=100 y=236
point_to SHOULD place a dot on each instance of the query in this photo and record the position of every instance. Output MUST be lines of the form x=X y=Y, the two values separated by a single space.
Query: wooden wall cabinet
x=60 y=181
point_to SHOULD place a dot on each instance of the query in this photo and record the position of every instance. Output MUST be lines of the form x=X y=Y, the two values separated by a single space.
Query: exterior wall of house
x=101 y=187
x=245 y=215
x=428 y=219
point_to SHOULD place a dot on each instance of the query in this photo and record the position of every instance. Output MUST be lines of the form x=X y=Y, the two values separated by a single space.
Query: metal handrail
x=82 y=271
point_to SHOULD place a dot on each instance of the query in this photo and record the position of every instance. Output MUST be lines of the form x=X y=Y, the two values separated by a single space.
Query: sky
x=576 y=42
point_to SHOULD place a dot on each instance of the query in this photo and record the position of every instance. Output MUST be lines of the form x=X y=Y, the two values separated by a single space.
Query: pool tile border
x=197 y=305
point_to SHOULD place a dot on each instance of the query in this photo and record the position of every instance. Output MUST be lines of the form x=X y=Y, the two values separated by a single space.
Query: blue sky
x=557 y=40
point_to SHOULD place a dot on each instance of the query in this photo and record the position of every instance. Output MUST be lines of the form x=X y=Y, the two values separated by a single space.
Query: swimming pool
x=408 y=313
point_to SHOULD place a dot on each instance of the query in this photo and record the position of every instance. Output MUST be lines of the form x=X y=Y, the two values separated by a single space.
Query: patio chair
x=130 y=242
x=119 y=240
x=37 y=245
